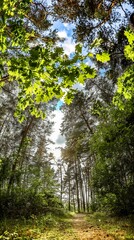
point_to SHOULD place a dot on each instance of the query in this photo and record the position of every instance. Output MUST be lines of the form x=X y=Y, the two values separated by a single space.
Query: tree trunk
x=24 y=135
x=77 y=186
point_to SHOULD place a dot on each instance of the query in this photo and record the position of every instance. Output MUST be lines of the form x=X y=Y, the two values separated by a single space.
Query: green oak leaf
x=103 y=57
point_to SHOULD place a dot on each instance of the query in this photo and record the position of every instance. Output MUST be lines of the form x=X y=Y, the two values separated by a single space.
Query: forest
x=94 y=86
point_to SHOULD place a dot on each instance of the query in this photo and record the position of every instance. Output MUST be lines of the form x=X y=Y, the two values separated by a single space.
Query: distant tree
x=77 y=127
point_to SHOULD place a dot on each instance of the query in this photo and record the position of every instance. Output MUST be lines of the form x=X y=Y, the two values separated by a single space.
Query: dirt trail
x=85 y=231
x=78 y=229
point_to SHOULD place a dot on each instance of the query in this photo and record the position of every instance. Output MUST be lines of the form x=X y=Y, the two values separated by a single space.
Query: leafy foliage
x=104 y=57
x=125 y=83
x=113 y=171
x=41 y=71
x=16 y=205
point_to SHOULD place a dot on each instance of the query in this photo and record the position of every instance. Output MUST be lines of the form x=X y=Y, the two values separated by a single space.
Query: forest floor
x=83 y=230
x=78 y=229
x=96 y=226
x=82 y=227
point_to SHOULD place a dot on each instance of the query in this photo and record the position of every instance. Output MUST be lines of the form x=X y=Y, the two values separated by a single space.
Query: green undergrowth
x=121 y=228
x=43 y=227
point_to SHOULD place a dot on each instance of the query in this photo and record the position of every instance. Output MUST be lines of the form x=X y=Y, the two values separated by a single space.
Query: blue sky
x=65 y=31
x=68 y=27
x=59 y=104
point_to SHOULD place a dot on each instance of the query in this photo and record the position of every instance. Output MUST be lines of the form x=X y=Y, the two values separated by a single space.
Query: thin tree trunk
x=81 y=185
x=24 y=135
x=77 y=187
x=69 y=194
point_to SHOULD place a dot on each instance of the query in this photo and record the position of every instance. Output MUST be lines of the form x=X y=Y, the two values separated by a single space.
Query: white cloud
x=60 y=140
x=62 y=34
x=68 y=46
x=78 y=86
x=56 y=136
x=68 y=26
x=56 y=128
x=57 y=153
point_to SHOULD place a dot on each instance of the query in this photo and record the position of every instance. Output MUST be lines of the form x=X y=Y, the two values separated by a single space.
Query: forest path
x=77 y=228
x=85 y=231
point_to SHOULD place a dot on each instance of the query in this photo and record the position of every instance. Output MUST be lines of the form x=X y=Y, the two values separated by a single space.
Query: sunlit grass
x=118 y=227
x=43 y=227
x=50 y=227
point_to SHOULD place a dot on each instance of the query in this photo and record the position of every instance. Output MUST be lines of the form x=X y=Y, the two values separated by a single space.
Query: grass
x=50 y=227
x=121 y=228
x=43 y=227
